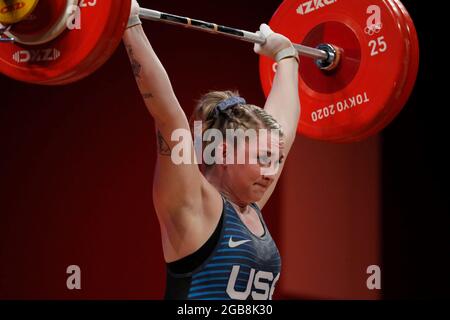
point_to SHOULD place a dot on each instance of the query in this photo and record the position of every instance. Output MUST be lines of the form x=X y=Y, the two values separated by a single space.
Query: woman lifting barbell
x=215 y=242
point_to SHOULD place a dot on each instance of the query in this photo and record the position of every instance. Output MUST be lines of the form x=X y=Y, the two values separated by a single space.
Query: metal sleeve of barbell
x=243 y=35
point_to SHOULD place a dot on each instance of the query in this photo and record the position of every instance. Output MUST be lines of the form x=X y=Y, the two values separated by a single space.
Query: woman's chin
x=258 y=194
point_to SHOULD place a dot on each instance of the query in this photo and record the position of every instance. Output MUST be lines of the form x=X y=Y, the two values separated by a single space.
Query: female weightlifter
x=215 y=242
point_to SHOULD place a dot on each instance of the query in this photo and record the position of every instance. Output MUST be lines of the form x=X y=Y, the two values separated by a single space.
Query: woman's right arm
x=152 y=79
x=177 y=188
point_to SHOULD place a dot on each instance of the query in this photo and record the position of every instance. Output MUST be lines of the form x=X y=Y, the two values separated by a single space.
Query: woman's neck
x=240 y=206
x=217 y=181
x=242 y=209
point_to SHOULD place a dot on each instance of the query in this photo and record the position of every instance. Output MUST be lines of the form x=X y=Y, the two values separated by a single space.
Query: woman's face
x=249 y=181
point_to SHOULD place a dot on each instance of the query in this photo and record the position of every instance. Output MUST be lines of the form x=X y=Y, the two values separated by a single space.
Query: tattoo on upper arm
x=147 y=96
x=135 y=65
x=163 y=147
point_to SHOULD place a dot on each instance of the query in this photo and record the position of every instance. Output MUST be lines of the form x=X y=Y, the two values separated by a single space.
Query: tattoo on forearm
x=136 y=68
x=147 y=96
x=163 y=147
x=135 y=65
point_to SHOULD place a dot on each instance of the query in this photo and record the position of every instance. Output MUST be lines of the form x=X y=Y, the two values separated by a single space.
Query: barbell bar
x=243 y=35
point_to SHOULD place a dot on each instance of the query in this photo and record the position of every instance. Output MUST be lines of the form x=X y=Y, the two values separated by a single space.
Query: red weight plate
x=411 y=62
x=411 y=68
x=415 y=55
x=412 y=43
x=91 y=38
x=354 y=97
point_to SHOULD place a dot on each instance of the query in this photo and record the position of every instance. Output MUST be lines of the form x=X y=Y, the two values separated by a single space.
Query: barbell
x=364 y=54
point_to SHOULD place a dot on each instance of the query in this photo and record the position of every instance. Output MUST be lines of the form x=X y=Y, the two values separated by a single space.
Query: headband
x=229 y=103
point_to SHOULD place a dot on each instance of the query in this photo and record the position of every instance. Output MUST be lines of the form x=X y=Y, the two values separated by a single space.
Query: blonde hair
x=241 y=116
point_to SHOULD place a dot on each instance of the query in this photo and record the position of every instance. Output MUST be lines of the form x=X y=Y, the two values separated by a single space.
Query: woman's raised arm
x=177 y=187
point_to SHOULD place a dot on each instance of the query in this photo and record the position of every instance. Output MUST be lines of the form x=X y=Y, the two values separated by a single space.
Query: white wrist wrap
x=133 y=21
x=290 y=52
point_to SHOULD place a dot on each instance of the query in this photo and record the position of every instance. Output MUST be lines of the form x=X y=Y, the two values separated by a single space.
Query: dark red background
x=76 y=169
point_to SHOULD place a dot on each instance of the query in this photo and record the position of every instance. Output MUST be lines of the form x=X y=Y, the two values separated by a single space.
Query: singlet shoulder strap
x=258 y=210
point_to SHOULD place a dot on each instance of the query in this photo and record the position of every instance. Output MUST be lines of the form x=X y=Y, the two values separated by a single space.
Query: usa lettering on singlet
x=241 y=266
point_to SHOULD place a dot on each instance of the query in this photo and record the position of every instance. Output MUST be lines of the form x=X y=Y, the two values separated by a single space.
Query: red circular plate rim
x=104 y=50
x=413 y=66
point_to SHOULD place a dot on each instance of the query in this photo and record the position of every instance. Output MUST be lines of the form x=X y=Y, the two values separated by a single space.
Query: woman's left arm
x=283 y=102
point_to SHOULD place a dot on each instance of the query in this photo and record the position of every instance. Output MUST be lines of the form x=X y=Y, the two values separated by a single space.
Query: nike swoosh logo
x=234 y=244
